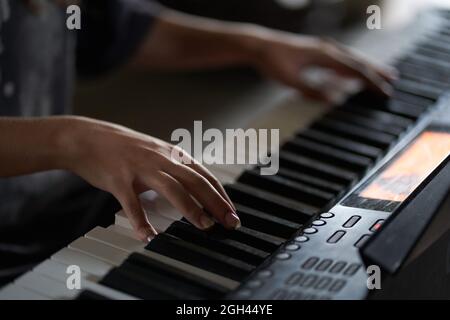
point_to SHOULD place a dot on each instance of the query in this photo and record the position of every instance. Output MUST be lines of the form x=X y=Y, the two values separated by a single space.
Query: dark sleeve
x=111 y=31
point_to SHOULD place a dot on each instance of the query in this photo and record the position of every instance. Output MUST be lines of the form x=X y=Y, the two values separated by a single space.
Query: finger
x=202 y=190
x=200 y=169
x=132 y=207
x=213 y=180
x=176 y=194
x=333 y=58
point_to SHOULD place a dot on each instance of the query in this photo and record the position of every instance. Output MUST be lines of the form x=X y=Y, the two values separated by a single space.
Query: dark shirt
x=39 y=60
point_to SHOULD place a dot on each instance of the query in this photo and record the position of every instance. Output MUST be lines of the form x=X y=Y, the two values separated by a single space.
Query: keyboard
x=307 y=232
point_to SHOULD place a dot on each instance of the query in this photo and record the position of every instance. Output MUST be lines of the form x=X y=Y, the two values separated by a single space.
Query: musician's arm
x=117 y=160
x=182 y=41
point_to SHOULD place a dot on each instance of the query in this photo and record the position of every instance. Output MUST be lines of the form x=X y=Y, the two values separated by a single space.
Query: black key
x=270 y=203
x=342 y=143
x=421 y=90
x=200 y=257
x=258 y=220
x=131 y=283
x=149 y=263
x=345 y=116
x=316 y=168
x=412 y=99
x=254 y=238
x=311 y=181
x=229 y=247
x=287 y=188
x=328 y=154
x=90 y=295
x=379 y=116
x=357 y=133
x=432 y=52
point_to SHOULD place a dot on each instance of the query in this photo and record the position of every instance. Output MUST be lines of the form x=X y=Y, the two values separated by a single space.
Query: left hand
x=283 y=56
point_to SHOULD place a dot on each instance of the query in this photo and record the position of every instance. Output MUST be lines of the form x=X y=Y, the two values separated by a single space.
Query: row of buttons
x=326 y=263
x=335 y=237
x=316 y=282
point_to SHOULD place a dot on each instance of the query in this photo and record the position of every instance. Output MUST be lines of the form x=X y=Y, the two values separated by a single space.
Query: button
x=292 y=247
x=336 y=236
x=377 y=225
x=318 y=223
x=324 y=265
x=265 y=273
x=244 y=293
x=310 y=230
x=338 y=267
x=351 y=222
x=301 y=238
x=294 y=279
x=283 y=256
x=311 y=262
x=362 y=240
x=323 y=283
x=327 y=215
x=337 y=285
x=352 y=269
x=253 y=284
x=308 y=281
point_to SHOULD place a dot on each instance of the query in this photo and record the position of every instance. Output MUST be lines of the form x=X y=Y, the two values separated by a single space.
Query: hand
x=126 y=163
x=282 y=56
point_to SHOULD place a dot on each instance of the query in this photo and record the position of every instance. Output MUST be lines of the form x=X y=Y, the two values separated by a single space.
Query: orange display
x=405 y=174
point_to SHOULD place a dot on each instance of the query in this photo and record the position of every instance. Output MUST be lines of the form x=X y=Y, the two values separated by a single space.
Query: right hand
x=125 y=163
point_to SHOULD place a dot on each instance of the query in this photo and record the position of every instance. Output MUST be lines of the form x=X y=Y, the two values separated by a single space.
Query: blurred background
x=158 y=103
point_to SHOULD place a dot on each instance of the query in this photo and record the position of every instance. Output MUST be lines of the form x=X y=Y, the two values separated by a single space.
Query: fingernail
x=387 y=89
x=206 y=222
x=232 y=220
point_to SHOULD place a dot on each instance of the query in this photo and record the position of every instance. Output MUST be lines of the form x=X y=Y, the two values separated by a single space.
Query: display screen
x=404 y=174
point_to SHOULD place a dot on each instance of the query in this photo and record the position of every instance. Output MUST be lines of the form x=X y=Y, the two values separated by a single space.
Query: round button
x=310 y=230
x=327 y=215
x=301 y=238
x=318 y=223
x=265 y=273
x=292 y=247
x=245 y=293
x=253 y=284
x=283 y=256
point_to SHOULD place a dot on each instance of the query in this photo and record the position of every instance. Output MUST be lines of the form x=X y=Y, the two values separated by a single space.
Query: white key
x=115 y=240
x=99 y=250
x=131 y=245
x=87 y=263
x=123 y=231
x=46 y=286
x=57 y=271
x=15 y=292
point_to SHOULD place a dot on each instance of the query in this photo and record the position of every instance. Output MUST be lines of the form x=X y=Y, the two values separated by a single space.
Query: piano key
x=357 y=133
x=328 y=154
x=202 y=258
x=346 y=116
x=46 y=286
x=229 y=247
x=379 y=116
x=342 y=143
x=312 y=181
x=325 y=171
x=267 y=223
x=170 y=284
x=146 y=261
x=16 y=292
x=287 y=188
x=116 y=240
x=123 y=231
x=414 y=88
x=56 y=270
x=90 y=295
x=99 y=250
x=130 y=283
x=270 y=203
x=87 y=263
x=412 y=99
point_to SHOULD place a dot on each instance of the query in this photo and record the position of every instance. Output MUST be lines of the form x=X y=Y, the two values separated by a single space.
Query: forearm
x=182 y=41
x=31 y=145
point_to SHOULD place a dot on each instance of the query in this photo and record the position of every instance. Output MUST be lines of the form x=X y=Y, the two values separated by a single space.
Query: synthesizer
x=364 y=185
